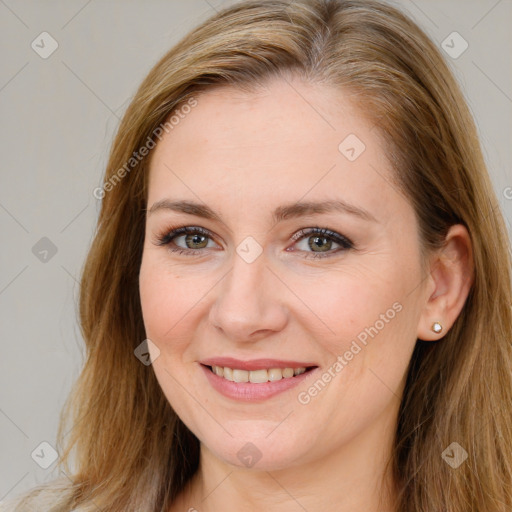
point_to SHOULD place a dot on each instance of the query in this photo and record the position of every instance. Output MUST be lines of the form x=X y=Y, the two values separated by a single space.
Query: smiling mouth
x=260 y=376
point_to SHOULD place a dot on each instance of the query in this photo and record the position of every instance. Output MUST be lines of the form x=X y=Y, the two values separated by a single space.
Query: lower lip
x=251 y=392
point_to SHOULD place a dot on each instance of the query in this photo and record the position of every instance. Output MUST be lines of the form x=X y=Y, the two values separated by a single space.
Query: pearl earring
x=437 y=327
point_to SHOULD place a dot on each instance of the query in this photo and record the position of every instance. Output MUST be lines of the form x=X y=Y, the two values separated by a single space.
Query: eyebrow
x=281 y=213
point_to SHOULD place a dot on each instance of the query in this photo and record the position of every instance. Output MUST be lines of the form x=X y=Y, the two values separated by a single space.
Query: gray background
x=58 y=118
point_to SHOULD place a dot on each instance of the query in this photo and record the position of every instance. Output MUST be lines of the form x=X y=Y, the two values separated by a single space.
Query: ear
x=448 y=284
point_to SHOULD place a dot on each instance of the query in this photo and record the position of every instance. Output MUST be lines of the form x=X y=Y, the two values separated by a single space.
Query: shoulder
x=53 y=496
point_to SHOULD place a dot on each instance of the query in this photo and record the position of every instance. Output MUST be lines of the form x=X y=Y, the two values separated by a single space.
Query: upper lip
x=254 y=364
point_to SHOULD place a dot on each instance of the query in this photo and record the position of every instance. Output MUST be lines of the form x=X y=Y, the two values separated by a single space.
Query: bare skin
x=244 y=155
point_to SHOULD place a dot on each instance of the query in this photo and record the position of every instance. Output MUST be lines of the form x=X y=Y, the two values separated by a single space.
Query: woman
x=298 y=296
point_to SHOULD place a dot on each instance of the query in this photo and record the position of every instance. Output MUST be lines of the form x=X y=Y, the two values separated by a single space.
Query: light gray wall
x=58 y=117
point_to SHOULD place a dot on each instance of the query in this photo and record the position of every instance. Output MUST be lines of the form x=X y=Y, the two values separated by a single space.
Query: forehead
x=284 y=142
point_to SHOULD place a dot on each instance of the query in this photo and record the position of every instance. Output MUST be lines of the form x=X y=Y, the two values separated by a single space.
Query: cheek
x=342 y=302
x=167 y=310
x=367 y=315
x=165 y=299
x=174 y=302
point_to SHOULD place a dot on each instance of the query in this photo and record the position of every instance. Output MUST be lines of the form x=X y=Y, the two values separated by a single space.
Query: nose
x=250 y=302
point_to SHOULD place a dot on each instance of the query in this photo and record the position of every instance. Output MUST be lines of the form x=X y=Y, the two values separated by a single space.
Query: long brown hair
x=131 y=450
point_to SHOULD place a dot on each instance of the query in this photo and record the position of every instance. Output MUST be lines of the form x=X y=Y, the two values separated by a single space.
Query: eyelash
x=168 y=236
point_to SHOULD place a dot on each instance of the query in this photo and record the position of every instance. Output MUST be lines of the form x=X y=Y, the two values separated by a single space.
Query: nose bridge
x=246 y=303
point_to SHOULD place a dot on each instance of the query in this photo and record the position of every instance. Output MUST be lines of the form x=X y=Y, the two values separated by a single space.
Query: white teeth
x=287 y=373
x=240 y=375
x=275 y=374
x=257 y=376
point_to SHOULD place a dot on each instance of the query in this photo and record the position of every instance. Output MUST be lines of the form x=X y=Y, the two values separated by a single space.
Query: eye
x=194 y=238
x=320 y=241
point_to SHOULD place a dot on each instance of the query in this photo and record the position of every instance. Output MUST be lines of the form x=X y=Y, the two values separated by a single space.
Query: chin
x=252 y=447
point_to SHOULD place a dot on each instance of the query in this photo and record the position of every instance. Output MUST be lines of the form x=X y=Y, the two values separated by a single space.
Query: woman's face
x=256 y=291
